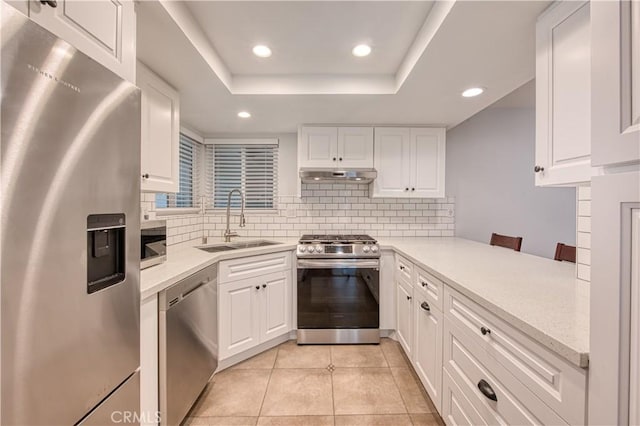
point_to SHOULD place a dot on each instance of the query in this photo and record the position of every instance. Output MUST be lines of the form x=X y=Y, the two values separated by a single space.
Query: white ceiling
x=490 y=44
x=310 y=37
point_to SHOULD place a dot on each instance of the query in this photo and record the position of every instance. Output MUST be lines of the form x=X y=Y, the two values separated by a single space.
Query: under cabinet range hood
x=355 y=175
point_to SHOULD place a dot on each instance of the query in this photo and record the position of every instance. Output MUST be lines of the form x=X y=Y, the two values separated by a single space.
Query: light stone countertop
x=185 y=260
x=540 y=297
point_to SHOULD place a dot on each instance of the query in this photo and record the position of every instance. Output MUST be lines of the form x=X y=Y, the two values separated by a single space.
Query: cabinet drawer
x=430 y=286
x=253 y=266
x=456 y=408
x=556 y=382
x=472 y=368
x=404 y=269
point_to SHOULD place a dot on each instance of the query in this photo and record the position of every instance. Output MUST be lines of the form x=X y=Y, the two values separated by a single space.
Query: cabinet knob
x=257 y=287
x=145 y=176
x=264 y=286
x=413 y=189
x=424 y=283
x=538 y=169
x=52 y=3
x=406 y=189
x=485 y=331
x=487 y=390
x=425 y=306
x=401 y=268
x=334 y=158
x=408 y=297
x=340 y=158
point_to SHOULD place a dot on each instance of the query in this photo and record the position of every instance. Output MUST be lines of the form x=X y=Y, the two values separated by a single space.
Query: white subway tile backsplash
x=583 y=237
x=322 y=208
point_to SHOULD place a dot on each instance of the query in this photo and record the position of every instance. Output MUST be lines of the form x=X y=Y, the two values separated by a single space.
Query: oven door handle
x=337 y=263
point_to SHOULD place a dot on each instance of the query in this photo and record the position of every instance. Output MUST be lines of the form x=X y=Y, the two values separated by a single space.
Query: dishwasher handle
x=174 y=294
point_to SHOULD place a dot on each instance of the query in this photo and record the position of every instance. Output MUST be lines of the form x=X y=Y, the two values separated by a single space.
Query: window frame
x=209 y=206
x=196 y=181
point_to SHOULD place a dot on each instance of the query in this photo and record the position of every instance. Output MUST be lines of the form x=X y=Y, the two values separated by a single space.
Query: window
x=251 y=167
x=189 y=177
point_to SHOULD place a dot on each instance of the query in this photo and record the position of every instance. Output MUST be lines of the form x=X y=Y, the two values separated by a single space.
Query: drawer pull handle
x=424 y=283
x=487 y=390
x=409 y=297
x=425 y=306
x=485 y=331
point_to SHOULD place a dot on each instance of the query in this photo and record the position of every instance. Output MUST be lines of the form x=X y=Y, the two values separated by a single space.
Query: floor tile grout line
x=268 y=382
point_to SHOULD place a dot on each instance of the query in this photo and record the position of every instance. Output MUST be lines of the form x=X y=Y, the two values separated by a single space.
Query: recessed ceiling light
x=262 y=51
x=473 y=91
x=244 y=114
x=361 y=50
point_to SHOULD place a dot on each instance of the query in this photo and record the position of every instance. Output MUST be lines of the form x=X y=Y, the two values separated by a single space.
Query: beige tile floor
x=317 y=386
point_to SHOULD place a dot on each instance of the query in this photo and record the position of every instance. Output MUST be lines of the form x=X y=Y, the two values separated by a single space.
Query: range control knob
x=366 y=249
x=311 y=249
x=302 y=249
x=318 y=248
x=374 y=249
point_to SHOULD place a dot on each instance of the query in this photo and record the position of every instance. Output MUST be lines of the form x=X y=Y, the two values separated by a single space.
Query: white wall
x=490 y=160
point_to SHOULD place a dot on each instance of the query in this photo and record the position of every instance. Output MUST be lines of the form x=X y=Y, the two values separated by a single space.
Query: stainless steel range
x=338 y=289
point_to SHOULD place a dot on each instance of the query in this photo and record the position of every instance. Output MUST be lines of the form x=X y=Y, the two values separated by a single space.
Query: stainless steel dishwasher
x=188 y=342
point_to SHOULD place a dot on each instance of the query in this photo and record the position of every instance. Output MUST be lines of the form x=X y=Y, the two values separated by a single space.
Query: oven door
x=338 y=293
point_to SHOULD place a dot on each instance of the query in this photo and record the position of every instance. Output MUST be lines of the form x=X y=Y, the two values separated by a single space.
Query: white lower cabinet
x=456 y=408
x=427 y=347
x=505 y=401
x=404 y=315
x=253 y=311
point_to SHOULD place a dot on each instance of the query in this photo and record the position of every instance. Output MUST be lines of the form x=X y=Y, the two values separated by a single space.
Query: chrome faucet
x=227 y=233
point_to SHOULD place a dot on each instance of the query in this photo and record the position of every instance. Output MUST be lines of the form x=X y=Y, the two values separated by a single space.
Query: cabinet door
x=105 y=30
x=634 y=368
x=276 y=305
x=563 y=102
x=160 y=132
x=616 y=82
x=318 y=147
x=238 y=305
x=392 y=160
x=427 y=350
x=427 y=162
x=404 y=312
x=355 y=147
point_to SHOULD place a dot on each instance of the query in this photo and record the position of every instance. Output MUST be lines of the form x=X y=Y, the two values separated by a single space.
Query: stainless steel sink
x=250 y=244
x=215 y=249
x=237 y=245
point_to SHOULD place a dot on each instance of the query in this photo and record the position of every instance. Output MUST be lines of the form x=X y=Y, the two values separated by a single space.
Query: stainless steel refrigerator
x=70 y=168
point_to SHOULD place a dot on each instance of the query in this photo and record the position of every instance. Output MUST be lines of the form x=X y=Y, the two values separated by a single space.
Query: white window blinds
x=189 y=181
x=253 y=168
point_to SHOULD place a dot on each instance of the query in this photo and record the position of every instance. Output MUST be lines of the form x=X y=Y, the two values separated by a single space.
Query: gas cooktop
x=332 y=238
x=338 y=246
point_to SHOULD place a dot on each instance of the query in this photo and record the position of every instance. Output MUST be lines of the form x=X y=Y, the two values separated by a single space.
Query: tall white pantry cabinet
x=614 y=366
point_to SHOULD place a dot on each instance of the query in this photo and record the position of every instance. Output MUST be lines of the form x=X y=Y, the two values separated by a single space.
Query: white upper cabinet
x=335 y=147
x=615 y=126
x=410 y=162
x=563 y=95
x=105 y=30
x=355 y=147
x=160 y=133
